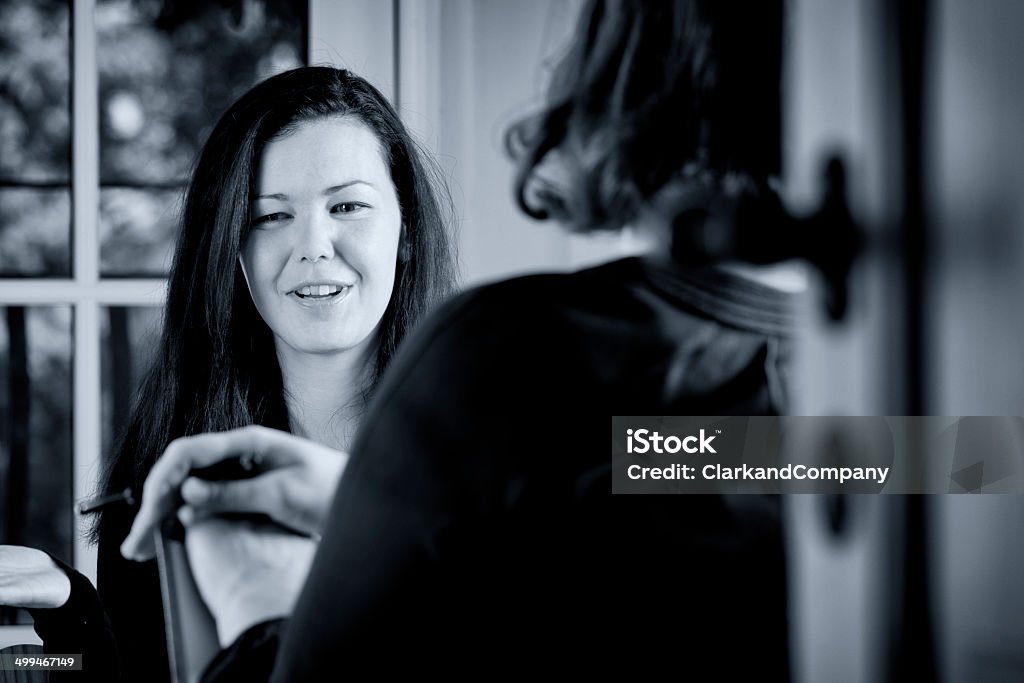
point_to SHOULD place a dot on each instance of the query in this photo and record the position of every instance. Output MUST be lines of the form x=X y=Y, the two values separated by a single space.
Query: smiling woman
x=311 y=240
x=321 y=257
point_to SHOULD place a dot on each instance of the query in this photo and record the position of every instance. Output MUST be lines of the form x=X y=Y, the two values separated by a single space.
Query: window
x=104 y=105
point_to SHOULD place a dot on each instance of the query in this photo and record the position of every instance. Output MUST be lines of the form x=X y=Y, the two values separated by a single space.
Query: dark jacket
x=475 y=520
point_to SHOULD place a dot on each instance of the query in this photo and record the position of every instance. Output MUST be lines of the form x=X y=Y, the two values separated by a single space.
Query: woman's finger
x=160 y=493
x=261 y=494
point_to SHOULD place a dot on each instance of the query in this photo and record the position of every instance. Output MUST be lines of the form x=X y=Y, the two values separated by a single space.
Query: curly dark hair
x=651 y=91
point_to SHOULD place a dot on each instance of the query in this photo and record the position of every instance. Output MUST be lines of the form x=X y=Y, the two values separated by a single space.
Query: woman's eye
x=270 y=218
x=347 y=207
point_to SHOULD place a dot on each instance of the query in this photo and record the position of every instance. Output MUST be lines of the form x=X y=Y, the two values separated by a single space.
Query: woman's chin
x=326 y=345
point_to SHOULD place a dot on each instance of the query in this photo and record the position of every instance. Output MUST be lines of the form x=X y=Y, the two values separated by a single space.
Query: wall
x=976 y=198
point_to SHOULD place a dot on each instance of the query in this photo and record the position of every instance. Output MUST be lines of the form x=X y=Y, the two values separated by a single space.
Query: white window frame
x=84 y=291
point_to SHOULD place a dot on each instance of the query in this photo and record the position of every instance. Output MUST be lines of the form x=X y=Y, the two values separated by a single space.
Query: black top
x=120 y=629
x=79 y=626
x=475 y=520
x=130 y=592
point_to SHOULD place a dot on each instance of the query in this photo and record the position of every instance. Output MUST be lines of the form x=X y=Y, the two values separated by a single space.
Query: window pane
x=35 y=142
x=130 y=335
x=137 y=231
x=167 y=70
x=34 y=229
x=35 y=138
x=35 y=431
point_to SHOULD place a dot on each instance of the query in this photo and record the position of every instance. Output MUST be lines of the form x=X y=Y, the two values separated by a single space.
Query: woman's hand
x=30 y=578
x=246 y=572
x=296 y=486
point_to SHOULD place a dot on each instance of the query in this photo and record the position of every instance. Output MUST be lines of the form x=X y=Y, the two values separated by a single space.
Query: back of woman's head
x=651 y=92
x=216 y=367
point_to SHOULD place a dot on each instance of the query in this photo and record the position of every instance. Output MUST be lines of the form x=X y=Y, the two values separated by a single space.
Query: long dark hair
x=648 y=92
x=216 y=367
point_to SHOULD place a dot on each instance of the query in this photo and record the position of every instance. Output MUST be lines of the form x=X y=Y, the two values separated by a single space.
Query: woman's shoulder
x=537 y=319
x=537 y=296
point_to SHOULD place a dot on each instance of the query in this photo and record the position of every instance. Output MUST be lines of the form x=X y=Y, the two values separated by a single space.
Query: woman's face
x=320 y=256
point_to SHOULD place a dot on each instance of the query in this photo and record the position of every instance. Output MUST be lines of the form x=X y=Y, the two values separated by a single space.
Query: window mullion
x=87 y=398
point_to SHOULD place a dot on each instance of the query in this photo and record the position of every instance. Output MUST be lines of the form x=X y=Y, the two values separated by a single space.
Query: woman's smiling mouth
x=319 y=293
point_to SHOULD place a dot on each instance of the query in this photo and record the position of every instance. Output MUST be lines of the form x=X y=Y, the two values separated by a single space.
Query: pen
x=234 y=468
x=97 y=504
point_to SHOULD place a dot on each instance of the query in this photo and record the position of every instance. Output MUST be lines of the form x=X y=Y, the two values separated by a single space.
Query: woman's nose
x=314 y=240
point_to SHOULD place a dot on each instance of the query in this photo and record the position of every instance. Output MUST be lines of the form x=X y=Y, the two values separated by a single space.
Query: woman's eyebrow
x=330 y=190
x=335 y=188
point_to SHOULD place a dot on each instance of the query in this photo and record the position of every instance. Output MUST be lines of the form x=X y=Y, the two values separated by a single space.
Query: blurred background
x=103 y=107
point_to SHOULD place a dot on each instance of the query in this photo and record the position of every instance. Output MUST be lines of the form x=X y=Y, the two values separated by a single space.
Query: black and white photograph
x=315 y=315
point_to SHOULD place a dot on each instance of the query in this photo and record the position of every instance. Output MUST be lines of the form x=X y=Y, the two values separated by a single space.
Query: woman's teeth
x=318 y=291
